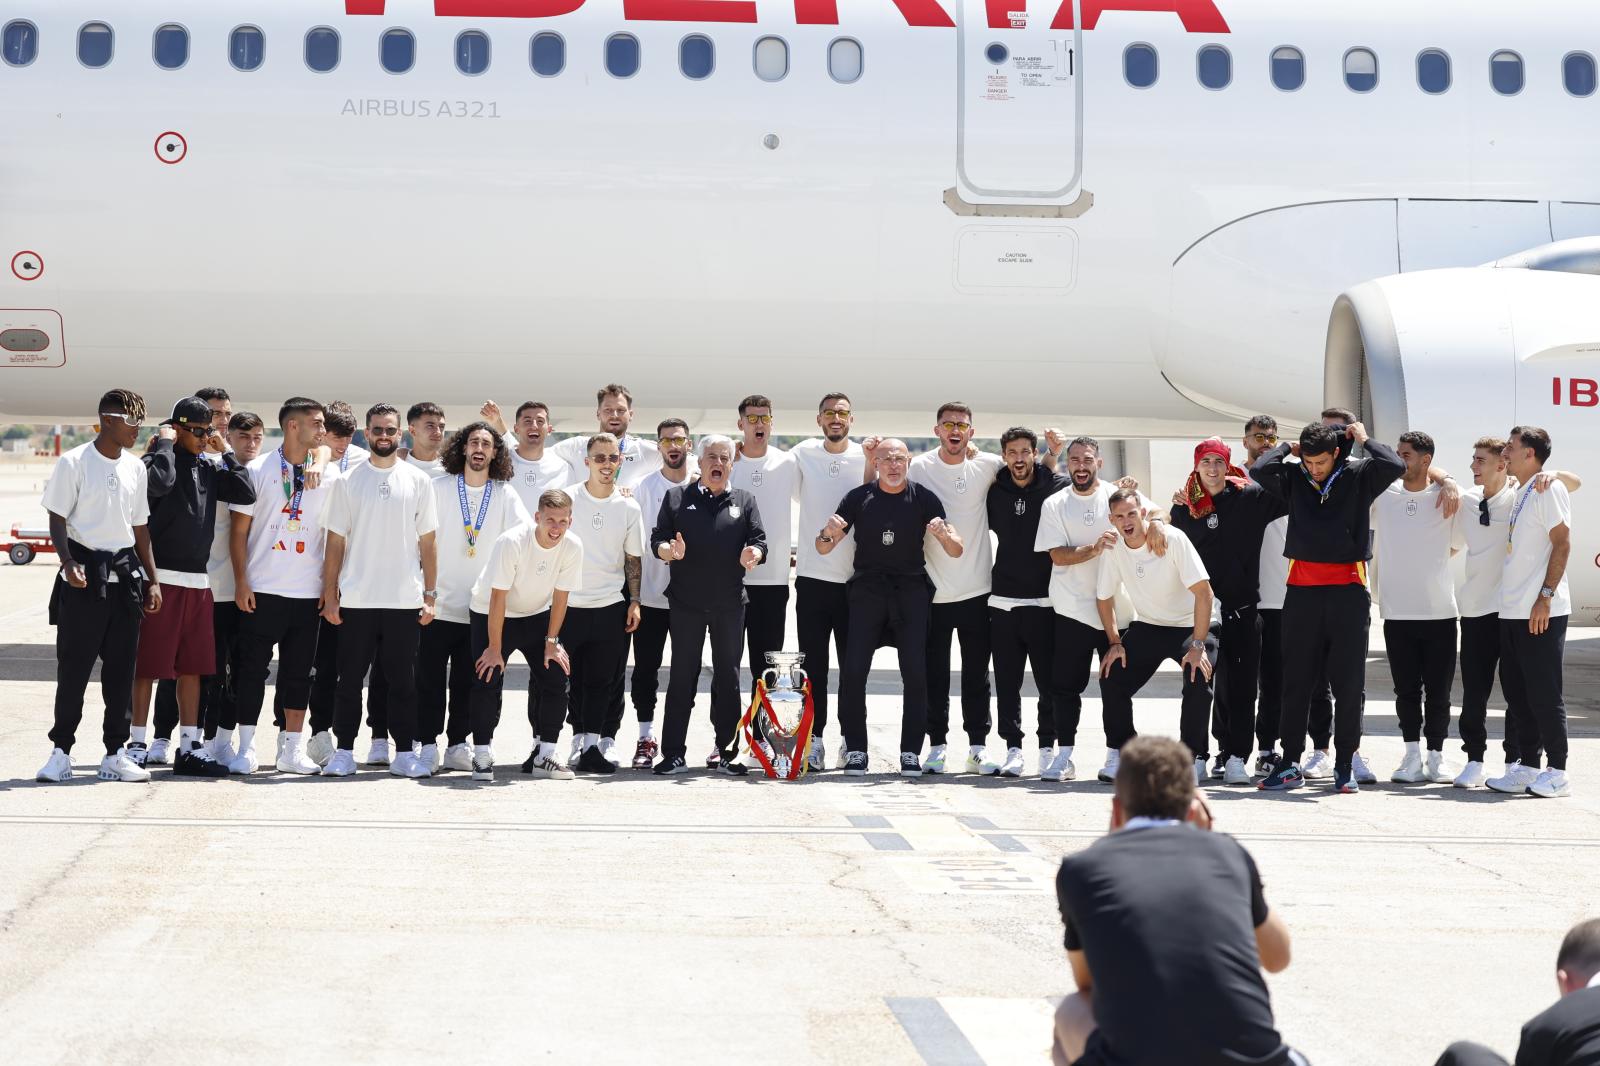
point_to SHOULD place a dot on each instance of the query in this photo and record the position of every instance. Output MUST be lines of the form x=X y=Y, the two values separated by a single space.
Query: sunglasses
x=950 y=427
x=675 y=442
x=609 y=460
x=758 y=420
x=1264 y=438
x=1483 y=512
x=840 y=413
x=135 y=423
x=199 y=431
x=383 y=431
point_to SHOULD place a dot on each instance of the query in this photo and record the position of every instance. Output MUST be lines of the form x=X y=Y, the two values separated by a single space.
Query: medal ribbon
x=1522 y=500
x=290 y=492
x=1326 y=486
x=473 y=528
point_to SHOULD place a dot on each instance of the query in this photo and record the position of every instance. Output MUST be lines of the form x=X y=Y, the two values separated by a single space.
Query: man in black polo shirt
x=1168 y=967
x=1225 y=515
x=890 y=594
x=710 y=536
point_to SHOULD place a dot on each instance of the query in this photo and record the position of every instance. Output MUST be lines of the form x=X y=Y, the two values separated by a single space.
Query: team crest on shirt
x=544 y=564
x=1212 y=522
x=531 y=477
x=384 y=491
x=598 y=521
x=733 y=511
x=888 y=537
x=112 y=483
x=961 y=484
x=1022 y=507
x=1139 y=570
x=1090 y=517
x=1411 y=508
x=833 y=468
x=755 y=479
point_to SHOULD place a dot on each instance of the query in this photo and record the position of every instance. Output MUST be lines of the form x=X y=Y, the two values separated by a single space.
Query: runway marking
x=880 y=841
x=933 y=1032
x=976 y=875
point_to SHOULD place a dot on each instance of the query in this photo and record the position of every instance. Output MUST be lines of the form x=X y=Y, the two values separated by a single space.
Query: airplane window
x=1578 y=73
x=696 y=56
x=1214 y=66
x=1288 y=69
x=1140 y=65
x=1433 y=71
x=472 y=52
x=21 y=43
x=547 y=53
x=247 y=47
x=1361 y=70
x=397 y=50
x=1505 y=73
x=95 y=44
x=322 y=49
x=772 y=59
x=845 y=60
x=172 y=47
x=622 y=55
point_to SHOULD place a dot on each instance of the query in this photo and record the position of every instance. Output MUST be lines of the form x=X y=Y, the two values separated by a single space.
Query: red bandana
x=1194 y=493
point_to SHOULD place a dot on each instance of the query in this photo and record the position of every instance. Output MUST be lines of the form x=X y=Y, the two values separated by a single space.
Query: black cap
x=189 y=411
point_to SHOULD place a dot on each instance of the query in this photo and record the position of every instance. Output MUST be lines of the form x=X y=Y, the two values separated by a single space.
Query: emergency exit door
x=1020 y=102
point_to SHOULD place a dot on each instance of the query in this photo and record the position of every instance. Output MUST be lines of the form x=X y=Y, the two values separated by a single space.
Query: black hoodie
x=1020 y=573
x=1335 y=528
x=184 y=492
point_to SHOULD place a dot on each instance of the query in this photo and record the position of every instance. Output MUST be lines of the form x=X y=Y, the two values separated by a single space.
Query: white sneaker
x=1200 y=771
x=1516 y=779
x=1552 y=784
x=221 y=747
x=119 y=767
x=1060 y=768
x=320 y=748
x=58 y=768
x=245 y=762
x=459 y=757
x=1108 y=772
x=160 y=752
x=606 y=745
x=292 y=758
x=1046 y=757
x=340 y=764
x=1361 y=771
x=1434 y=769
x=546 y=767
x=977 y=764
x=844 y=753
x=934 y=763
x=1409 y=772
x=431 y=758
x=1473 y=775
x=1236 y=772
x=379 y=754
x=1012 y=767
x=482 y=765
x=408 y=764
x=1317 y=768
x=817 y=761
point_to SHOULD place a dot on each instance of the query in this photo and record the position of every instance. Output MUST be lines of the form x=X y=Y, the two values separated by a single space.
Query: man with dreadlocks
x=1225 y=515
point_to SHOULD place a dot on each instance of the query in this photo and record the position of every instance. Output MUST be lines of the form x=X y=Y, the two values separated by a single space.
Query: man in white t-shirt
x=276 y=545
x=1534 y=607
x=519 y=604
x=1171 y=594
x=475 y=504
x=650 y=639
x=378 y=587
x=533 y=467
x=1412 y=545
x=343 y=452
x=97 y=497
x=829 y=467
x=425 y=420
x=600 y=615
x=614 y=414
x=770 y=475
x=1075 y=528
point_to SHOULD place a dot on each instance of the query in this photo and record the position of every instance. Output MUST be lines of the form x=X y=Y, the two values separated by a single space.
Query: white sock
x=547 y=749
x=590 y=740
x=480 y=749
x=189 y=737
x=138 y=734
x=247 y=737
x=223 y=738
x=1413 y=747
x=975 y=749
x=292 y=741
x=1064 y=752
x=647 y=730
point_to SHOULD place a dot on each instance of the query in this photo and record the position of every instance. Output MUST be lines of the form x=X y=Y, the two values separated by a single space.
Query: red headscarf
x=1194 y=493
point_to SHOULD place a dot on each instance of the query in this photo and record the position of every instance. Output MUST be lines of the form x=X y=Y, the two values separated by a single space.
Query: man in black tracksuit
x=1021 y=620
x=1225 y=515
x=1326 y=608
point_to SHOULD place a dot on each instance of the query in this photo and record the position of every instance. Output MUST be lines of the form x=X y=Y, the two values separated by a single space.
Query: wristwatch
x=553 y=640
x=430 y=594
x=1547 y=593
x=1193 y=643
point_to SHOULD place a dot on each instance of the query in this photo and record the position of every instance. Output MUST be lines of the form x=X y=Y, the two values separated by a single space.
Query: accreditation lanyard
x=291 y=492
x=344 y=461
x=472 y=528
x=1511 y=529
x=1327 y=486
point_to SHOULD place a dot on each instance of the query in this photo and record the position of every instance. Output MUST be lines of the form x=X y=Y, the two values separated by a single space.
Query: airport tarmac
x=836 y=920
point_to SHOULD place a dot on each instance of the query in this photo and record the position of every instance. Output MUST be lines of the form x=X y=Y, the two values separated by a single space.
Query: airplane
x=1136 y=218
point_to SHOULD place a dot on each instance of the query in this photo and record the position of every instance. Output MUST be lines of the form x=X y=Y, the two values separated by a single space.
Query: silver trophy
x=787 y=697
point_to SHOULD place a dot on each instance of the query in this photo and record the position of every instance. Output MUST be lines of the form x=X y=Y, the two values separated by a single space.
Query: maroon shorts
x=178 y=640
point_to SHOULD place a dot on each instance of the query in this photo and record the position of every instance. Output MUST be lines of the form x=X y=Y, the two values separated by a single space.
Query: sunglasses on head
x=123 y=418
x=950 y=427
x=758 y=420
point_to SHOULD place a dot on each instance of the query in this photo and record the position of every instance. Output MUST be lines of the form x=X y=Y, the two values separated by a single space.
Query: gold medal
x=292 y=526
x=471 y=551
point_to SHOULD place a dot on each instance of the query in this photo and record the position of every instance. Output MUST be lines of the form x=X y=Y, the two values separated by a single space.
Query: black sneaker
x=197 y=763
x=674 y=765
x=732 y=768
x=593 y=761
x=909 y=766
x=1219 y=765
x=137 y=751
x=855 y=764
x=1266 y=762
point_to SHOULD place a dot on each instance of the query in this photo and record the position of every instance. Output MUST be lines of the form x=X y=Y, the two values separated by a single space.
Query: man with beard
x=533 y=468
x=828 y=468
x=650 y=639
x=379 y=586
x=426 y=422
x=613 y=415
x=769 y=474
x=476 y=487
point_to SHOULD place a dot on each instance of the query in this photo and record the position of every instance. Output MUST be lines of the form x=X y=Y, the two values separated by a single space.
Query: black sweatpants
x=596 y=639
x=217 y=710
x=1147 y=647
x=290 y=625
x=1324 y=634
x=1018 y=637
x=91 y=628
x=969 y=621
x=1530 y=672
x=765 y=613
x=547 y=686
x=1076 y=646
x=444 y=677
x=1238 y=665
x=1480 y=654
x=1270 y=711
x=690 y=627
x=325 y=688
x=649 y=648
x=384 y=640
x=821 y=611
x=898 y=607
x=1422 y=661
